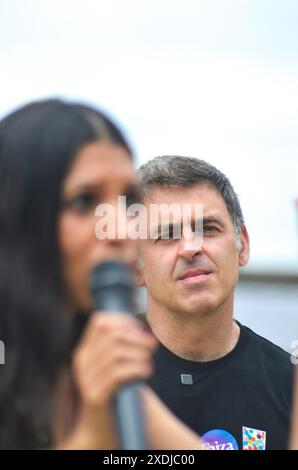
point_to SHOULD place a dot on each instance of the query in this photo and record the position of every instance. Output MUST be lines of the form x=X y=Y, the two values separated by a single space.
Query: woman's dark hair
x=38 y=143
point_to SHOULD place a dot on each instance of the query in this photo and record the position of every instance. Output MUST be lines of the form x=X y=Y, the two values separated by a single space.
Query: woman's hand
x=114 y=349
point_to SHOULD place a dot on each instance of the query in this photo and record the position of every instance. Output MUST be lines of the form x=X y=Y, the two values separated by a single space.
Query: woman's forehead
x=100 y=163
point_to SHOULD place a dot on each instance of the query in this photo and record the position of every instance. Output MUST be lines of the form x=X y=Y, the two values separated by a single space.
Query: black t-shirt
x=240 y=401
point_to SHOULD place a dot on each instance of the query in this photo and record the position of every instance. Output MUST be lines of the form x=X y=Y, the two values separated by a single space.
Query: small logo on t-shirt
x=218 y=439
x=253 y=439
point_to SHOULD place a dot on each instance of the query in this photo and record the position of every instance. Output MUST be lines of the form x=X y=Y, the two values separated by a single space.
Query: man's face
x=186 y=278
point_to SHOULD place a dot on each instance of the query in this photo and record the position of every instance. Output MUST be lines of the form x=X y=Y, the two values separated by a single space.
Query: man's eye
x=82 y=202
x=167 y=234
x=210 y=228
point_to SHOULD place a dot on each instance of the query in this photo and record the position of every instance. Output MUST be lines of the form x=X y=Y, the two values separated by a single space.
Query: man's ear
x=140 y=281
x=244 y=249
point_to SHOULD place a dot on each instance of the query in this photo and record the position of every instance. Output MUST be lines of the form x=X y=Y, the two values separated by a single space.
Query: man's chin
x=198 y=308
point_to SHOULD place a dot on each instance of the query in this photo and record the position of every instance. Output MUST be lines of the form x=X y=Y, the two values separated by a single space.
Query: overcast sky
x=214 y=79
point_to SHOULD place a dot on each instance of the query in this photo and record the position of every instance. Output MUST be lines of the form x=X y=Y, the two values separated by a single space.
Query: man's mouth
x=195 y=275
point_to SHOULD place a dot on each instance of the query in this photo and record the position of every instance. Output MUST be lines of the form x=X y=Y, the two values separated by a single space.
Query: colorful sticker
x=253 y=439
x=218 y=439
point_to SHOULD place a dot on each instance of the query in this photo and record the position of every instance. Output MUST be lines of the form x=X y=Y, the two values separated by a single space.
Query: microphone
x=112 y=288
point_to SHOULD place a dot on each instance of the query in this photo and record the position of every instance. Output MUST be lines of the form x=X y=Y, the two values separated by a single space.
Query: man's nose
x=190 y=246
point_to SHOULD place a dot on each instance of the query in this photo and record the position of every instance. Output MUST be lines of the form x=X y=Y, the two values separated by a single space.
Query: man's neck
x=201 y=337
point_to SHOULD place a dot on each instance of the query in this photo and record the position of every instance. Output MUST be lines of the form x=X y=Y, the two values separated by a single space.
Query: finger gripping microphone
x=112 y=288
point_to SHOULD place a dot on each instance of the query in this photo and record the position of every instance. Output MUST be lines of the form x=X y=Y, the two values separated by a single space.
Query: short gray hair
x=185 y=172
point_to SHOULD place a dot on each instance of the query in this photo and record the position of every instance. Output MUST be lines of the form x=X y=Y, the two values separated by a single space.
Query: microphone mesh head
x=112 y=286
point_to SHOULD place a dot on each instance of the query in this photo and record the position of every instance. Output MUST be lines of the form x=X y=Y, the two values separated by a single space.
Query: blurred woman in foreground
x=58 y=161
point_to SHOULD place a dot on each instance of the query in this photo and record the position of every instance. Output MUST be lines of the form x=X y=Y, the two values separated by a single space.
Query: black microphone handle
x=112 y=288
